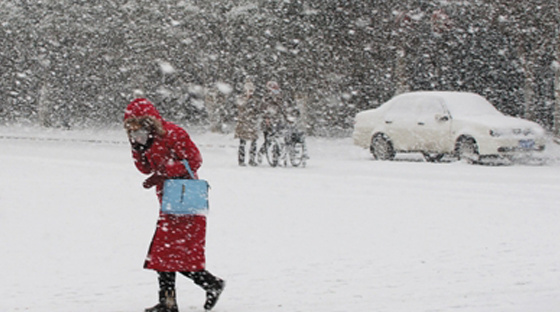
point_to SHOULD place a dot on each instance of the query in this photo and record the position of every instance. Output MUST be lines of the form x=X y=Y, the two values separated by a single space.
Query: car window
x=429 y=107
x=401 y=109
x=470 y=105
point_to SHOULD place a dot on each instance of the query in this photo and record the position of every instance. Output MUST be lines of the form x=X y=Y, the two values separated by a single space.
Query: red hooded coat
x=179 y=241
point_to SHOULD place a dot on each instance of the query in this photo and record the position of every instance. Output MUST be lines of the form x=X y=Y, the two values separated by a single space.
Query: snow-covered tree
x=70 y=63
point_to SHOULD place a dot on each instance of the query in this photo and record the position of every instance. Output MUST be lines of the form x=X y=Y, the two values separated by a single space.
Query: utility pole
x=404 y=28
x=556 y=66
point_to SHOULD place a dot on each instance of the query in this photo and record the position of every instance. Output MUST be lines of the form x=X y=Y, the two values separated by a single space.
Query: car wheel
x=273 y=153
x=381 y=148
x=467 y=150
x=432 y=157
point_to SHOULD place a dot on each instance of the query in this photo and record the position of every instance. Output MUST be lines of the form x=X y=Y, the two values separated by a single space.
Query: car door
x=433 y=125
x=399 y=122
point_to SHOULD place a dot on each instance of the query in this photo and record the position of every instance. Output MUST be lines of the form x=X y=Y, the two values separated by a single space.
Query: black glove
x=153 y=180
x=138 y=147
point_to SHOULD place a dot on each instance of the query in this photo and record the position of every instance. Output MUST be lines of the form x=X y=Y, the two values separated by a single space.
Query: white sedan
x=437 y=123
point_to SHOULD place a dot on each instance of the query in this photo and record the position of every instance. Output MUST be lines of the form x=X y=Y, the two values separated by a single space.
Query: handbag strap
x=186 y=163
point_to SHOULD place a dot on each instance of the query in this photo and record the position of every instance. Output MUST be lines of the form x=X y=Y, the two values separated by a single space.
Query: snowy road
x=344 y=234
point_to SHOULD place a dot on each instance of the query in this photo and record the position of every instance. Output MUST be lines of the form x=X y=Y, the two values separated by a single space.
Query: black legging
x=202 y=278
x=252 y=150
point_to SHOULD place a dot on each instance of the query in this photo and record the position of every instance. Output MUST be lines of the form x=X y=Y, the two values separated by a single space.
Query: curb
x=94 y=141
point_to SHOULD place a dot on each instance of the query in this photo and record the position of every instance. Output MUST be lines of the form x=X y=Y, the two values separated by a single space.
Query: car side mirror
x=442 y=118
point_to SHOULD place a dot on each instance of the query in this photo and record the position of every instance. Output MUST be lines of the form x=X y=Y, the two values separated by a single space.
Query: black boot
x=213 y=286
x=213 y=294
x=167 y=299
x=167 y=302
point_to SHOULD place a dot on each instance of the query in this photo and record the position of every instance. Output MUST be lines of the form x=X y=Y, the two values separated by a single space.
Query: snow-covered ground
x=344 y=234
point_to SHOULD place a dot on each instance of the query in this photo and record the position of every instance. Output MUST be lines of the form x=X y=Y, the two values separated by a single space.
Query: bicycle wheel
x=273 y=153
x=296 y=154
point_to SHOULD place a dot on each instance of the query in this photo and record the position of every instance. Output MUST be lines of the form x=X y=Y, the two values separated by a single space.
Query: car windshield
x=469 y=105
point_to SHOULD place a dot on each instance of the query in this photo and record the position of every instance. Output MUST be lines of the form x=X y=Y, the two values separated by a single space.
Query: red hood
x=141 y=108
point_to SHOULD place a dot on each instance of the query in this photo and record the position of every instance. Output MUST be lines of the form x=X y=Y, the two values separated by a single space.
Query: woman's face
x=139 y=130
x=139 y=136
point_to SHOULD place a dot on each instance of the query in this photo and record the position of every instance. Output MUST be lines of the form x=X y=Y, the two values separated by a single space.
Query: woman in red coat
x=158 y=148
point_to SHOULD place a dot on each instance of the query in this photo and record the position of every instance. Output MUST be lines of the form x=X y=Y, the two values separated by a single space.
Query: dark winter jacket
x=274 y=115
x=247 y=119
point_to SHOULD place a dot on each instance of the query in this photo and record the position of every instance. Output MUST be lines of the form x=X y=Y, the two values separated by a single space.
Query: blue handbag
x=185 y=196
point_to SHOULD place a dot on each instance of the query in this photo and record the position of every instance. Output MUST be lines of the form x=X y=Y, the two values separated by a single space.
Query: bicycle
x=288 y=143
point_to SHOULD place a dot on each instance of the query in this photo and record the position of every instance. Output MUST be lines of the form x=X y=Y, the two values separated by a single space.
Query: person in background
x=178 y=245
x=274 y=115
x=247 y=124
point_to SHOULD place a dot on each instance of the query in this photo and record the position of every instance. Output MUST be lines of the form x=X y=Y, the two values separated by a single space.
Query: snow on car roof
x=458 y=103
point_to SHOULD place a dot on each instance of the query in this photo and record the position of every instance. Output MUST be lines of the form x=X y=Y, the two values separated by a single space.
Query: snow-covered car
x=437 y=123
